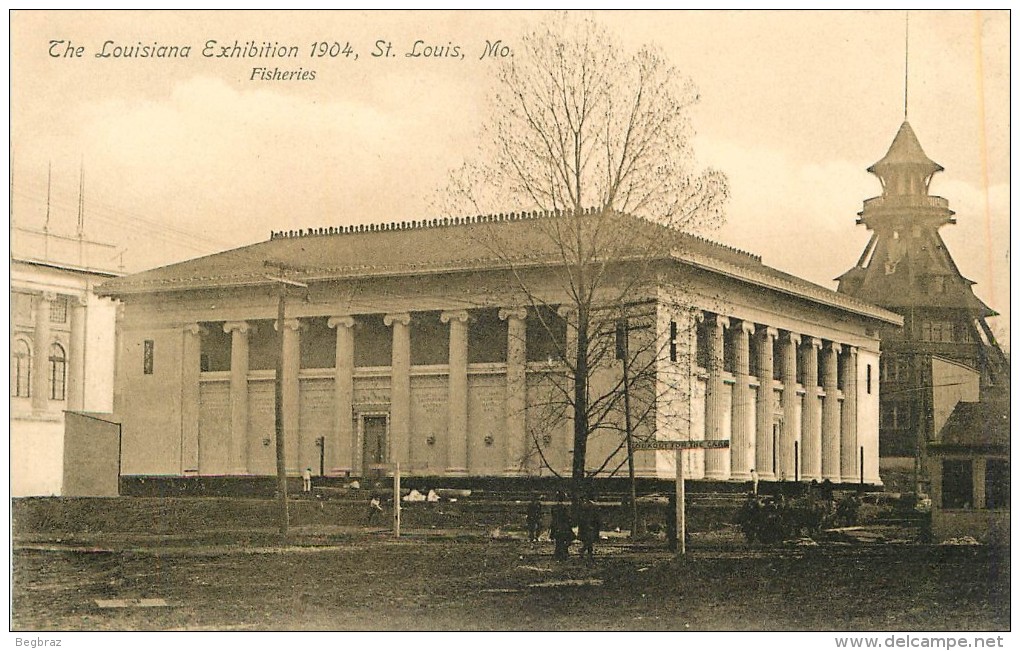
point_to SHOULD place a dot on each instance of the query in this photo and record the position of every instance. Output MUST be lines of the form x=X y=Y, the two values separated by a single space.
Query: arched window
x=58 y=372
x=21 y=369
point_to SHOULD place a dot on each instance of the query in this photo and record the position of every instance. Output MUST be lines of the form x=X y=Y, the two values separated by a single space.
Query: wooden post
x=862 y=465
x=396 y=500
x=281 y=450
x=281 y=462
x=681 y=497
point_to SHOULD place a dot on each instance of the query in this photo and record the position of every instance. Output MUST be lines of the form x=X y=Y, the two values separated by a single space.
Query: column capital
x=722 y=321
x=454 y=315
x=48 y=296
x=346 y=321
x=833 y=346
x=747 y=327
x=849 y=350
x=808 y=340
x=240 y=326
x=566 y=311
x=289 y=324
x=194 y=329
x=698 y=315
x=519 y=313
x=403 y=318
x=792 y=337
x=79 y=300
x=768 y=331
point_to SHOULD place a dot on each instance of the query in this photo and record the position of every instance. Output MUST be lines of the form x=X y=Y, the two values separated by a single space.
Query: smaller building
x=969 y=466
x=62 y=349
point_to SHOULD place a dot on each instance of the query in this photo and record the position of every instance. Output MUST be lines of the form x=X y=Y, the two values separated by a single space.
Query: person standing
x=373 y=507
x=589 y=530
x=560 y=530
x=534 y=518
x=306 y=480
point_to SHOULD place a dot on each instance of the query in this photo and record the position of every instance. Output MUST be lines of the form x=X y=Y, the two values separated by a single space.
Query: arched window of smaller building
x=58 y=372
x=21 y=369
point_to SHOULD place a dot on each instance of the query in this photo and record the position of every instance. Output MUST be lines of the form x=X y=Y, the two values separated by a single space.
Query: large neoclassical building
x=450 y=346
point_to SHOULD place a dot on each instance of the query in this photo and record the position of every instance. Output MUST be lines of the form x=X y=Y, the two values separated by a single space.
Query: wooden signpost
x=678 y=447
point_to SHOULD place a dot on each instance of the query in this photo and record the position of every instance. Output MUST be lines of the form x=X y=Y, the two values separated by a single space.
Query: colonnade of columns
x=813 y=432
x=341 y=453
x=809 y=434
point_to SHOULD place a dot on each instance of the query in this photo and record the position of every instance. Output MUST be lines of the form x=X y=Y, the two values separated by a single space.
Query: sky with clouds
x=186 y=157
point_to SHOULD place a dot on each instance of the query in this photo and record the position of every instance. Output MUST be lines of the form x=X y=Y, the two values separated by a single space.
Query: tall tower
x=907 y=269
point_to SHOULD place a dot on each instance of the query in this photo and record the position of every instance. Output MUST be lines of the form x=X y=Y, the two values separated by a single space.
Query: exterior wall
x=213 y=432
x=87 y=336
x=100 y=344
x=486 y=423
x=152 y=424
x=984 y=524
x=429 y=415
x=91 y=456
x=951 y=383
x=261 y=424
x=867 y=414
x=37 y=456
x=987 y=526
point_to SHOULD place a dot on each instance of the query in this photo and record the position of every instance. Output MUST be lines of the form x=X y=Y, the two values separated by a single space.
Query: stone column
x=742 y=449
x=830 y=413
x=400 y=387
x=849 y=458
x=790 y=403
x=76 y=355
x=457 y=400
x=569 y=314
x=811 y=426
x=516 y=389
x=340 y=451
x=238 y=331
x=191 y=367
x=298 y=457
x=765 y=462
x=716 y=461
x=41 y=354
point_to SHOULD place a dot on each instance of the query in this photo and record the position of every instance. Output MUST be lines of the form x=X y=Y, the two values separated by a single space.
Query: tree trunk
x=580 y=407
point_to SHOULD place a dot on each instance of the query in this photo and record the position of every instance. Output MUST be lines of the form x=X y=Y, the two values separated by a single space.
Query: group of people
x=773 y=518
x=562 y=527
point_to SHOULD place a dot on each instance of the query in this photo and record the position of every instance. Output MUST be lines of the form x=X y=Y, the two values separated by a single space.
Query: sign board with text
x=712 y=444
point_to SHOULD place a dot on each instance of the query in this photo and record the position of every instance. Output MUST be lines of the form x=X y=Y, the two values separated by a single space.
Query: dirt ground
x=358 y=578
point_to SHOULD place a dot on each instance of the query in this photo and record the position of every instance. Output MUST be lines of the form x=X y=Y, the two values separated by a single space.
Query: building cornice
x=804 y=291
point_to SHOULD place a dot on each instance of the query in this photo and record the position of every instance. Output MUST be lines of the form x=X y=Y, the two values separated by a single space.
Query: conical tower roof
x=905 y=151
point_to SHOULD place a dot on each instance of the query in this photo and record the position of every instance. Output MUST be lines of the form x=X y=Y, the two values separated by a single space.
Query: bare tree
x=601 y=145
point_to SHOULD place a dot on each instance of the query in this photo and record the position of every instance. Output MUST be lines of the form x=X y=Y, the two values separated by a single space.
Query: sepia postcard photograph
x=686 y=322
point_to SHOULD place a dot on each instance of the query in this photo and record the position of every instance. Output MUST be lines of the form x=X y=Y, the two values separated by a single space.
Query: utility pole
x=623 y=353
x=281 y=450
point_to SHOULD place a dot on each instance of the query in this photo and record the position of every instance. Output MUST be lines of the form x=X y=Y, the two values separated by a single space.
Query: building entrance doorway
x=374 y=453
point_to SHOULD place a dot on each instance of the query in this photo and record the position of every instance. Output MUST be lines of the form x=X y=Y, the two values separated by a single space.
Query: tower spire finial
x=906 y=65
